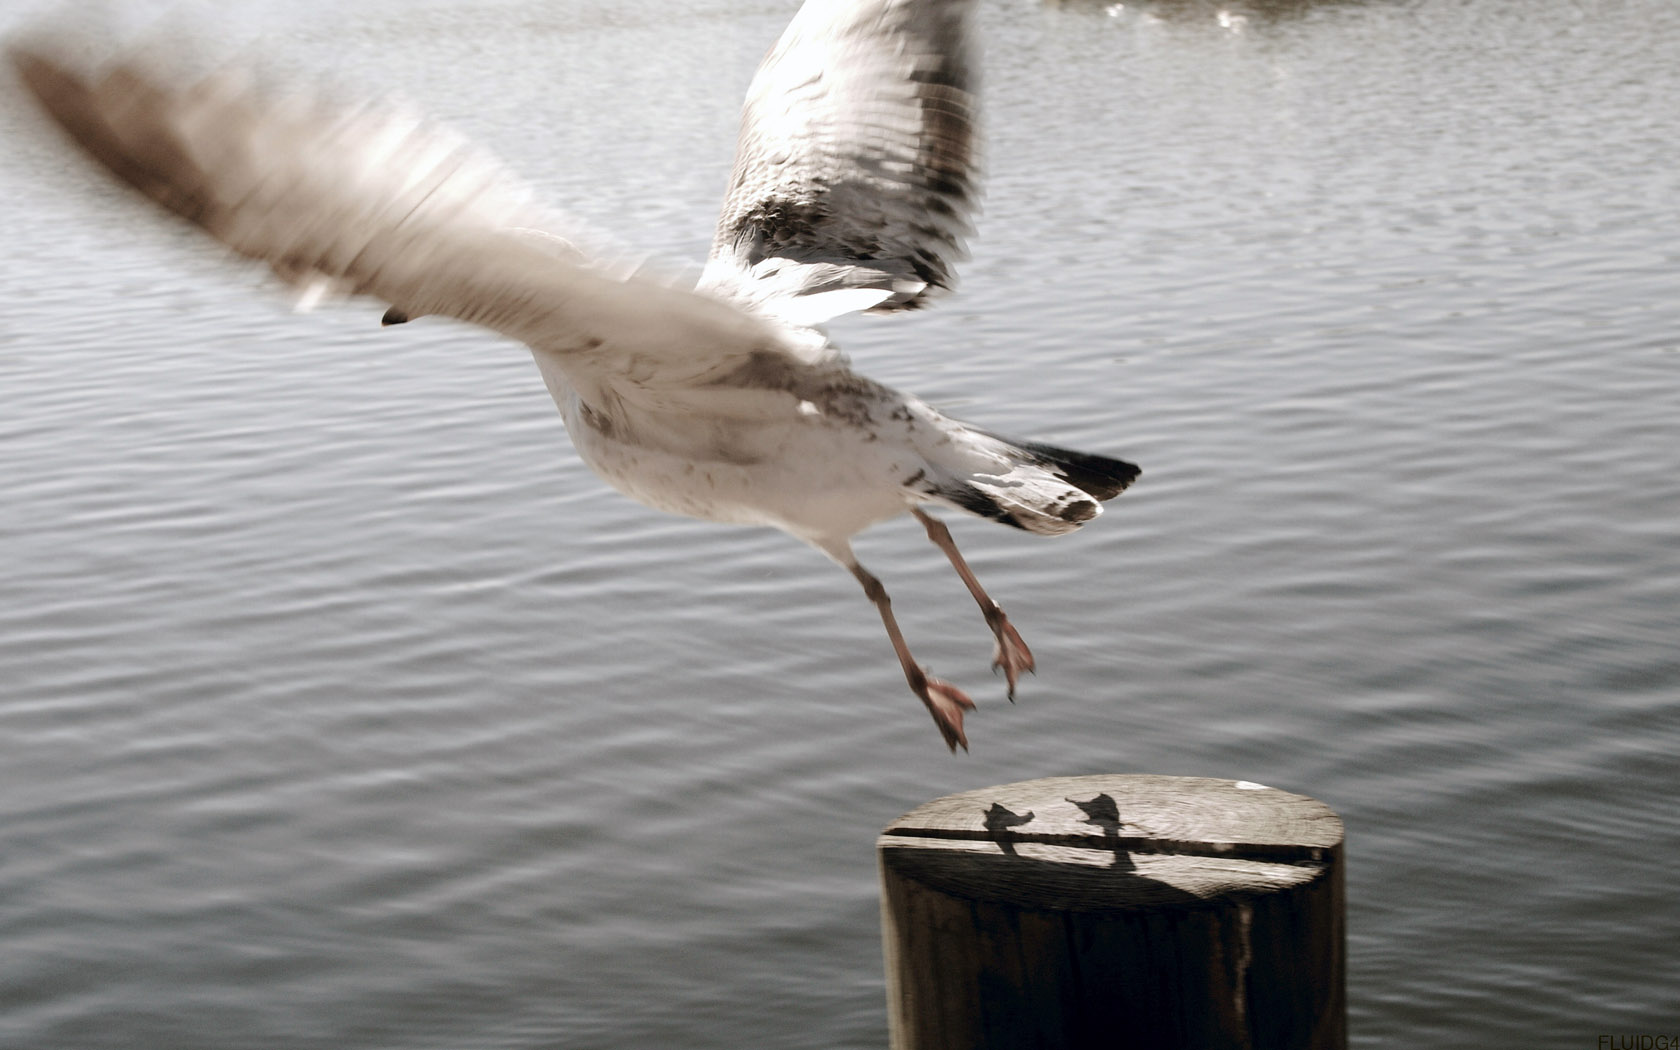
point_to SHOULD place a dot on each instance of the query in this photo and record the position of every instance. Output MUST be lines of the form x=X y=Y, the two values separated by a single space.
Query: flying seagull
x=853 y=188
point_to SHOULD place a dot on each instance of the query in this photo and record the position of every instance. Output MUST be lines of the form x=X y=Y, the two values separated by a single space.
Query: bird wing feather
x=371 y=200
x=856 y=172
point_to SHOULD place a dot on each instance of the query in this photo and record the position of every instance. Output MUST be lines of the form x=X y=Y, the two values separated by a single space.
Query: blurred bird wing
x=856 y=172
x=370 y=200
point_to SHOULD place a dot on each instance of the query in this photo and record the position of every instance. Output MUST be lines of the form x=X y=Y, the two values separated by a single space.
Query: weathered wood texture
x=1115 y=911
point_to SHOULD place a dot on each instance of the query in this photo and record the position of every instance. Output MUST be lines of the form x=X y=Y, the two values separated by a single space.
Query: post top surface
x=1114 y=841
x=1191 y=810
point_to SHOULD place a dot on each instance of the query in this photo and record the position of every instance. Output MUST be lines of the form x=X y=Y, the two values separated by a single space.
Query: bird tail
x=1103 y=477
x=1041 y=488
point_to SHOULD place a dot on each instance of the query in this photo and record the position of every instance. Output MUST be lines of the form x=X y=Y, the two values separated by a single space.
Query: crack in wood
x=1270 y=852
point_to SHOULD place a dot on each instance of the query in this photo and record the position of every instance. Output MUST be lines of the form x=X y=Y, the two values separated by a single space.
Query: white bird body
x=854 y=181
x=797 y=469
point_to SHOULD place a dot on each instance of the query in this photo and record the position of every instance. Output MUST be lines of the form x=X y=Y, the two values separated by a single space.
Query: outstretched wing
x=856 y=173
x=368 y=200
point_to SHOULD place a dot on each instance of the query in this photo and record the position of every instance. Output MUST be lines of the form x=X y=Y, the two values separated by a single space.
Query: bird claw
x=946 y=703
x=1011 y=655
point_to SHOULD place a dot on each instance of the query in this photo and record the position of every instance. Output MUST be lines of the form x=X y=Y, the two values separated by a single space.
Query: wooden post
x=1115 y=911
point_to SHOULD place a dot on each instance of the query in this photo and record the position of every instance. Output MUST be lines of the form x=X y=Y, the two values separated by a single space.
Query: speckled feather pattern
x=857 y=164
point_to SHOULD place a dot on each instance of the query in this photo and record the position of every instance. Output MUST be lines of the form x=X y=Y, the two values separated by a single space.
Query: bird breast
x=806 y=472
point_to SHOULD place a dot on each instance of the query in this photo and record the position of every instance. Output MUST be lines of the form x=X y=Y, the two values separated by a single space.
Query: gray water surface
x=340 y=706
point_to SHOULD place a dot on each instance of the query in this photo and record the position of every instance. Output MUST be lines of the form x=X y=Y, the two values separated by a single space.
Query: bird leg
x=945 y=702
x=1011 y=653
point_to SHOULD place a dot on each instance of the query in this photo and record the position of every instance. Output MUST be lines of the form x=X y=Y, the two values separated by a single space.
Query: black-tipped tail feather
x=1049 y=490
x=1101 y=477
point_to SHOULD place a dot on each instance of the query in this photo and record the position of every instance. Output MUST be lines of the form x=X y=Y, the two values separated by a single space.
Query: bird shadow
x=999 y=820
x=1102 y=812
x=1060 y=870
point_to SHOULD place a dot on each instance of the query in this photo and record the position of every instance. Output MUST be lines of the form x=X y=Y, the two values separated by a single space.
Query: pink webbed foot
x=1012 y=654
x=946 y=703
